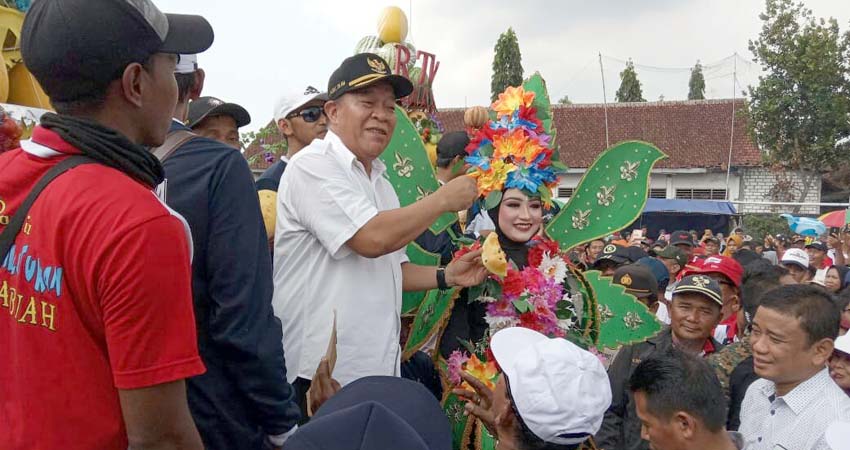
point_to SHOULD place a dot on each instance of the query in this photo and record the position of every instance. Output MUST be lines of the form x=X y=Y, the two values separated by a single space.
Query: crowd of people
x=159 y=297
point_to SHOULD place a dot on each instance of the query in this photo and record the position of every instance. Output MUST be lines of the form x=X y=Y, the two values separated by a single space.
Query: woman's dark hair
x=811 y=305
x=674 y=382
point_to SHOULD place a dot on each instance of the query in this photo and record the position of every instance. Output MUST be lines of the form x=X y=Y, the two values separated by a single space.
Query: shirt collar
x=348 y=160
x=804 y=393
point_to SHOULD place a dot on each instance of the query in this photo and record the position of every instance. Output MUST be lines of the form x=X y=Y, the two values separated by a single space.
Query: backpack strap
x=10 y=233
x=174 y=140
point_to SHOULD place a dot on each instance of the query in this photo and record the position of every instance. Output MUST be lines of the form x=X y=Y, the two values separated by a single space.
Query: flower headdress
x=514 y=150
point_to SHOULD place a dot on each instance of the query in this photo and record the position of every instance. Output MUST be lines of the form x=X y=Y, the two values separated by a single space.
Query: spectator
x=712 y=246
x=683 y=240
x=593 y=250
x=450 y=153
x=795 y=400
x=377 y=413
x=212 y=118
x=548 y=396
x=679 y=401
x=843 y=303
x=836 y=279
x=839 y=363
x=797 y=263
x=612 y=257
x=674 y=259
x=662 y=279
x=101 y=335
x=745 y=256
x=798 y=242
x=694 y=312
x=300 y=119
x=733 y=365
x=243 y=400
x=640 y=282
x=738 y=232
x=338 y=218
x=748 y=245
x=732 y=245
x=818 y=260
x=727 y=272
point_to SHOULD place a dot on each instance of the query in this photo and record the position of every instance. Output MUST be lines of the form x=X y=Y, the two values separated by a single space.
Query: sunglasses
x=310 y=114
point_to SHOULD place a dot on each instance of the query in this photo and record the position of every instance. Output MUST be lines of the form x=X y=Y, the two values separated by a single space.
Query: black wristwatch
x=441 y=278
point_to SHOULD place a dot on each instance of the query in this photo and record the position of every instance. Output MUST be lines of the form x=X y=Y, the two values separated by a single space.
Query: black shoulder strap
x=7 y=237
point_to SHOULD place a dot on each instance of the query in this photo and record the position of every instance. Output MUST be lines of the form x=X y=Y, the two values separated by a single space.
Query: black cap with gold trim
x=362 y=70
x=700 y=284
x=638 y=280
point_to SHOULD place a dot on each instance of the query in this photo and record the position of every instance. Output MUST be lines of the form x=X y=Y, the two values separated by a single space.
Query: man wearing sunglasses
x=300 y=118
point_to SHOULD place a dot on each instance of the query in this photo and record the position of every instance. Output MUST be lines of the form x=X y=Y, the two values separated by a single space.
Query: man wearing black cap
x=612 y=257
x=341 y=234
x=100 y=334
x=640 y=282
x=818 y=259
x=244 y=399
x=684 y=241
x=212 y=118
x=694 y=312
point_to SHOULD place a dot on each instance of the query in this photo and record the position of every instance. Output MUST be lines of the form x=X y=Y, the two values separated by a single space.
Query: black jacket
x=270 y=179
x=739 y=381
x=244 y=395
x=621 y=427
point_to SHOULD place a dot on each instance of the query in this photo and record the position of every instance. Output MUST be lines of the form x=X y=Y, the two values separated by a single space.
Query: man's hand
x=833 y=242
x=466 y=271
x=478 y=403
x=322 y=387
x=458 y=194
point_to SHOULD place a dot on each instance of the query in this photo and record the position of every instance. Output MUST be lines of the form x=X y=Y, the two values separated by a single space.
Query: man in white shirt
x=792 y=405
x=340 y=234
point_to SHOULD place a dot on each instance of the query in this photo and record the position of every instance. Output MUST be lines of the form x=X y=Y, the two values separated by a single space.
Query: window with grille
x=658 y=193
x=701 y=194
x=565 y=192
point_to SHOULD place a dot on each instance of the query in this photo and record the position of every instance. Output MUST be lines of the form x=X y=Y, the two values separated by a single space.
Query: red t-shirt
x=95 y=296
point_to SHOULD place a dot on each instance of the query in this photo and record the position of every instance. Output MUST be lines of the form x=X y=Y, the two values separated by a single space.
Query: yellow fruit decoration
x=493 y=257
x=24 y=90
x=392 y=25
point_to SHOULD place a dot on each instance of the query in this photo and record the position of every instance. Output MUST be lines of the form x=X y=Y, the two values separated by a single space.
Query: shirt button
x=772 y=412
x=759 y=438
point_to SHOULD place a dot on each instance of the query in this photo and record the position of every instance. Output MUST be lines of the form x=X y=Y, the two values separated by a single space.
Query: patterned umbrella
x=834 y=218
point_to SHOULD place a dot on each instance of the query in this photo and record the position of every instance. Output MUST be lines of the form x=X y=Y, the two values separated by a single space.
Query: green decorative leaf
x=419 y=256
x=461 y=424
x=623 y=319
x=564 y=314
x=537 y=84
x=522 y=306
x=559 y=166
x=610 y=196
x=434 y=309
x=409 y=170
x=563 y=304
x=493 y=199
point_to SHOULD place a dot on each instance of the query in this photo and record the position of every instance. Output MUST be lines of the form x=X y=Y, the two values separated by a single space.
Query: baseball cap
x=673 y=252
x=363 y=70
x=713 y=239
x=205 y=107
x=700 y=284
x=292 y=101
x=818 y=245
x=75 y=48
x=615 y=253
x=452 y=145
x=842 y=344
x=560 y=391
x=796 y=256
x=638 y=280
x=186 y=64
x=398 y=408
x=681 y=237
x=723 y=265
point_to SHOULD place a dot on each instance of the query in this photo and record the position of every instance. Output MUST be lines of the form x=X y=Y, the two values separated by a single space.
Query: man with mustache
x=341 y=233
x=694 y=312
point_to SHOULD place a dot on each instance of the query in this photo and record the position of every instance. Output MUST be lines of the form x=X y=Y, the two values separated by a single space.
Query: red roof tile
x=694 y=134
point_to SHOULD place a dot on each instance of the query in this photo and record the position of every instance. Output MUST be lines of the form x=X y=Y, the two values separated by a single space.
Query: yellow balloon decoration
x=392 y=25
x=24 y=90
x=4 y=81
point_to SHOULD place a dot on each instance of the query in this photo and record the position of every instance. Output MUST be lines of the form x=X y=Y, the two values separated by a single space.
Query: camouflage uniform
x=727 y=359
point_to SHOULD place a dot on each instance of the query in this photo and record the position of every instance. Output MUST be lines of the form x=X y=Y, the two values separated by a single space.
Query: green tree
x=696 y=85
x=565 y=100
x=630 y=87
x=800 y=108
x=507 y=64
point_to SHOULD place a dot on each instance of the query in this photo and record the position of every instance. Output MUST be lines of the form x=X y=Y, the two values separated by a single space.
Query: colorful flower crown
x=514 y=151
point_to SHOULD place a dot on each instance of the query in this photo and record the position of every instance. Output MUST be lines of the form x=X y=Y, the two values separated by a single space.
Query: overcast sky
x=266 y=47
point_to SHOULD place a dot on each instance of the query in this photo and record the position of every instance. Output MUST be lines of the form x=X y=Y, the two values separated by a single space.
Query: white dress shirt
x=795 y=421
x=325 y=197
